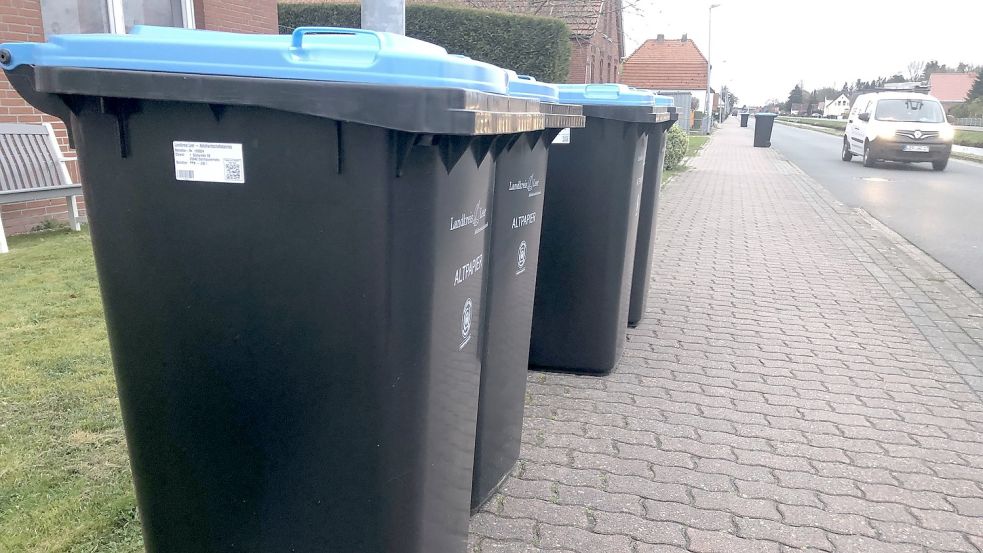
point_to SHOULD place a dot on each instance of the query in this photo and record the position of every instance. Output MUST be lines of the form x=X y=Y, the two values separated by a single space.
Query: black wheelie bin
x=763 y=125
x=655 y=157
x=744 y=118
x=517 y=214
x=590 y=224
x=288 y=232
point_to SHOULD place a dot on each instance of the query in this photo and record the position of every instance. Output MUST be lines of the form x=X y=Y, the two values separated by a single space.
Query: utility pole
x=707 y=110
x=384 y=15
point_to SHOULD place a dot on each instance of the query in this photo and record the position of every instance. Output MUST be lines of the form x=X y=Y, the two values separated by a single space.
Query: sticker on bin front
x=208 y=162
x=563 y=137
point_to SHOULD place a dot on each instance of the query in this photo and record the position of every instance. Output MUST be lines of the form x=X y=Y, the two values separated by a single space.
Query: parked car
x=898 y=126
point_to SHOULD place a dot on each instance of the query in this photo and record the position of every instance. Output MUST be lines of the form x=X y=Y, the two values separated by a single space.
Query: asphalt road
x=940 y=212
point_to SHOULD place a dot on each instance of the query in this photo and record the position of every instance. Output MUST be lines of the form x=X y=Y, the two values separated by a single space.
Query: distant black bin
x=517 y=215
x=290 y=261
x=655 y=157
x=763 y=124
x=590 y=224
x=744 y=118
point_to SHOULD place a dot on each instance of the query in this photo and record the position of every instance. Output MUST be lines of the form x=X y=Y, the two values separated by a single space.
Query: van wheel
x=868 y=160
x=940 y=165
x=847 y=154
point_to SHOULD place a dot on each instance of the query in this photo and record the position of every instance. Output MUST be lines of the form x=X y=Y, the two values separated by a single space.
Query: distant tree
x=915 y=70
x=976 y=92
x=846 y=90
x=794 y=97
x=896 y=78
x=933 y=67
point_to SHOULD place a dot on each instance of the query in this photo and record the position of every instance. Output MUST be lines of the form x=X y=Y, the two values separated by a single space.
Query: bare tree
x=915 y=70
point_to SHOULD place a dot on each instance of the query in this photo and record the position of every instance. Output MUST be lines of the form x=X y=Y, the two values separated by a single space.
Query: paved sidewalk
x=805 y=381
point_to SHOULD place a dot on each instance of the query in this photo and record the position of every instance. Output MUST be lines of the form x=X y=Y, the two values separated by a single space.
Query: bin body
x=744 y=118
x=655 y=157
x=295 y=341
x=763 y=124
x=590 y=225
x=513 y=258
x=517 y=214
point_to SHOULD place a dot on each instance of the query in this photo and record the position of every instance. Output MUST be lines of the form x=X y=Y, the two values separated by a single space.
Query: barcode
x=233 y=170
x=185 y=174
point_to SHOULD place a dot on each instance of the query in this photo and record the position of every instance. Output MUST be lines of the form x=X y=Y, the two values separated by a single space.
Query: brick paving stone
x=640 y=529
x=793 y=536
x=701 y=541
x=689 y=517
x=577 y=539
x=805 y=380
x=932 y=539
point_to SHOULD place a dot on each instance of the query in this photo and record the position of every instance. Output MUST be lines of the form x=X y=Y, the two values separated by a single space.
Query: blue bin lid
x=605 y=94
x=524 y=86
x=310 y=53
x=666 y=101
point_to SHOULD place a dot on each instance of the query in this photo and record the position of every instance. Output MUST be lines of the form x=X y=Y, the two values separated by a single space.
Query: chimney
x=660 y=38
x=684 y=38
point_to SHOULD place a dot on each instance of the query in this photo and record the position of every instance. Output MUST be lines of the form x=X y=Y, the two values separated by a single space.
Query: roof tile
x=666 y=65
x=951 y=87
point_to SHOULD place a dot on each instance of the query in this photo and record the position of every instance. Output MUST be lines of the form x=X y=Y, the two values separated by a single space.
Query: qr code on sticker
x=233 y=170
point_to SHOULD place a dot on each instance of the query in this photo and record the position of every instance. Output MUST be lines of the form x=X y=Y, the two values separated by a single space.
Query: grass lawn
x=696 y=141
x=64 y=475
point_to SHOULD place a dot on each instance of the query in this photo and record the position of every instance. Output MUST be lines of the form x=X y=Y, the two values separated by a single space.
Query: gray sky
x=762 y=48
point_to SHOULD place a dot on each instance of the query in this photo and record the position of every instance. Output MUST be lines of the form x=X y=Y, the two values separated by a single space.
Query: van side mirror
x=951 y=119
x=864 y=117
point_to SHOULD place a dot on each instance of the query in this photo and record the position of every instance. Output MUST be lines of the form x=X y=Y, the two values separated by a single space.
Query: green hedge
x=536 y=46
x=676 y=145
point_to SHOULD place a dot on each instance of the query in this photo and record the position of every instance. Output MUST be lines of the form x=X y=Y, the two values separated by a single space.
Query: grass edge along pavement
x=837 y=130
x=694 y=144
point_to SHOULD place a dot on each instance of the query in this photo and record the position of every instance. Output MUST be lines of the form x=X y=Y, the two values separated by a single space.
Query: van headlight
x=886 y=134
x=947 y=133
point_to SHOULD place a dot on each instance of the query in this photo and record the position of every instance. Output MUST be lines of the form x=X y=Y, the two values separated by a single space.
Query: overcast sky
x=762 y=48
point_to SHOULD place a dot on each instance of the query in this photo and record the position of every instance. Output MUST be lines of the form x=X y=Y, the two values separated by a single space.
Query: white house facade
x=837 y=107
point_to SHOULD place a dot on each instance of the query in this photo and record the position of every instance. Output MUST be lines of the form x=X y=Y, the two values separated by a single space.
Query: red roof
x=951 y=87
x=661 y=64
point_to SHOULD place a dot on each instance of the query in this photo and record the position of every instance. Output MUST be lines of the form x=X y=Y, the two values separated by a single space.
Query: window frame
x=117 y=20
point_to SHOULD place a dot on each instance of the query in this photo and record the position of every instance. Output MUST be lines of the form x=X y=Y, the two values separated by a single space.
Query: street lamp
x=706 y=107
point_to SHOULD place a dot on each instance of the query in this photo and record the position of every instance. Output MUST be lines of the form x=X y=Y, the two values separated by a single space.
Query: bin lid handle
x=297 y=38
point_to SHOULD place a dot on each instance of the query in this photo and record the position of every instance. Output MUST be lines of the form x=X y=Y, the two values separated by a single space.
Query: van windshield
x=911 y=110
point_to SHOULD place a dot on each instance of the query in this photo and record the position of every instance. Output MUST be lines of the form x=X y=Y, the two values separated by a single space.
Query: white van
x=898 y=126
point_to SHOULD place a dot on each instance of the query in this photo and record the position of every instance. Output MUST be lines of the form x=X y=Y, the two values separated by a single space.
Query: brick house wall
x=597 y=59
x=20 y=21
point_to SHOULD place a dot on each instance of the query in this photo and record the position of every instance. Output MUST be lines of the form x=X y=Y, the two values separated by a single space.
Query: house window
x=113 y=16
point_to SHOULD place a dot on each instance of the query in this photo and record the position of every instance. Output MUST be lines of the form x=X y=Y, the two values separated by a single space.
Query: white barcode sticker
x=208 y=162
x=563 y=137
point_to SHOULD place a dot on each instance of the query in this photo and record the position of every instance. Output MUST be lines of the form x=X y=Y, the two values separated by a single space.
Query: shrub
x=676 y=145
x=537 y=46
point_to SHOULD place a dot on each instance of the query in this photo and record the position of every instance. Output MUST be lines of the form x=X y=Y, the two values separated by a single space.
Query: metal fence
x=682 y=101
x=969 y=121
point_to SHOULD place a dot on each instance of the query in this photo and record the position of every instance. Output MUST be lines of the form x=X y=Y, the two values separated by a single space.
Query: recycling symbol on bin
x=466 y=319
x=521 y=258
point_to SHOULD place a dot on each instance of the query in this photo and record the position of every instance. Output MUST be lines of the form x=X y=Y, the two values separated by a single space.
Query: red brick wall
x=601 y=53
x=240 y=16
x=20 y=20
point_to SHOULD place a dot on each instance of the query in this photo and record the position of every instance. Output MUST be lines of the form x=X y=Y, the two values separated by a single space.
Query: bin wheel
x=847 y=154
x=868 y=159
x=940 y=165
